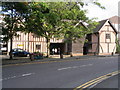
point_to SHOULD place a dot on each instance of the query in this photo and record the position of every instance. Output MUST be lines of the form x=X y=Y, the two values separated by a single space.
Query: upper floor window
x=35 y=36
x=107 y=36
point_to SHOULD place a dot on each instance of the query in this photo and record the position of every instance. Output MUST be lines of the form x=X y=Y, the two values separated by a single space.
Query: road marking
x=12 y=77
x=27 y=74
x=109 y=62
x=1 y=79
x=64 y=68
x=74 y=67
x=95 y=81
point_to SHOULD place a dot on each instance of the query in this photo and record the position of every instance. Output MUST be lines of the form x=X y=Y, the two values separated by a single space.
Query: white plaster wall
x=102 y=37
x=111 y=29
x=104 y=47
x=112 y=48
x=113 y=37
x=104 y=28
x=23 y=40
x=104 y=42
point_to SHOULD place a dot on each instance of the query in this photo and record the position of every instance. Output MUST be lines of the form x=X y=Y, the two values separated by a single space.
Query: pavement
x=16 y=60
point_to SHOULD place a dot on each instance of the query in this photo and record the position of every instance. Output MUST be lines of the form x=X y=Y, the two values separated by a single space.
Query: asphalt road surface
x=111 y=82
x=67 y=74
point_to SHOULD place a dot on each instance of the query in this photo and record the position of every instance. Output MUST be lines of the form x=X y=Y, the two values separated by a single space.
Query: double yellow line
x=95 y=81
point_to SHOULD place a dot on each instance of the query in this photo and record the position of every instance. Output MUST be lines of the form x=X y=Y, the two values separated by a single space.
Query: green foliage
x=14 y=13
x=118 y=46
x=98 y=4
x=118 y=49
x=13 y=18
x=56 y=19
x=47 y=19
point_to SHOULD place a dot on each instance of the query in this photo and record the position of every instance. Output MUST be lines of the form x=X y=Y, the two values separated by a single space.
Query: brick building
x=115 y=20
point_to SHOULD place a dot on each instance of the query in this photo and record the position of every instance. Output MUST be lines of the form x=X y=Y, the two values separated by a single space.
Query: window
x=90 y=46
x=38 y=47
x=107 y=36
x=5 y=45
x=89 y=37
x=35 y=36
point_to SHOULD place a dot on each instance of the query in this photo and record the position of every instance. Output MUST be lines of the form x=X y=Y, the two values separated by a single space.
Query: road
x=67 y=74
x=111 y=82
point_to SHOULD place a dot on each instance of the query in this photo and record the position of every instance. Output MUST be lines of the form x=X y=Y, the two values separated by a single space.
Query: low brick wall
x=105 y=53
x=77 y=54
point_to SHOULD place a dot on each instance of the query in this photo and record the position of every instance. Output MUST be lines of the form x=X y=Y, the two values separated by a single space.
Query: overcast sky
x=94 y=11
x=111 y=9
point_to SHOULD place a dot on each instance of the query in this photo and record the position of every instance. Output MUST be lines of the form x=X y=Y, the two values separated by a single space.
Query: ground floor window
x=38 y=46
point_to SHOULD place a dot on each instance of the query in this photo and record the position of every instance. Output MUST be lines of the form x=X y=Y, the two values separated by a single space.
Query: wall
x=94 y=43
x=107 y=45
x=77 y=46
x=29 y=41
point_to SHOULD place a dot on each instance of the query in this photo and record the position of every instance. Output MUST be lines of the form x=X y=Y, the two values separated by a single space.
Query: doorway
x=57 y=48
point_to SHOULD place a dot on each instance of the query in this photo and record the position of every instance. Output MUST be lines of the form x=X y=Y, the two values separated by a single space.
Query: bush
x=36 y=55
x=118 y=49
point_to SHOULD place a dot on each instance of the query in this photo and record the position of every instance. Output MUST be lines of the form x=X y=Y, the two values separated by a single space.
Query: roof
x=79 y=22
x=100 y=25
x=115 y=20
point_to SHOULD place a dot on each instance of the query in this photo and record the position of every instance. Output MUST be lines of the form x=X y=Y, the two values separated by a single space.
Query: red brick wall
x=77 y=47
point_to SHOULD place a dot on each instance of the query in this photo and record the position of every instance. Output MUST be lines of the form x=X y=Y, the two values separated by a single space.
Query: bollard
x=71 y=54
x=94 y=53
x=31 y=57
x=61 y=56
x=112 y=53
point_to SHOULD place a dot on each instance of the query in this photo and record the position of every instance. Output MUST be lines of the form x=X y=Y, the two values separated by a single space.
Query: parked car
x=20 y=52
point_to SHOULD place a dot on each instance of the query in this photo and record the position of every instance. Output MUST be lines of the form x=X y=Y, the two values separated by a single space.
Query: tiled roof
x=115 y=19
x=101 y=23
x=99 y=26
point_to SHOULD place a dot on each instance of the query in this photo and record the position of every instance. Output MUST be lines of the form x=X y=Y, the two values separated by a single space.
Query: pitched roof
x=100 y=25
x=115 y=20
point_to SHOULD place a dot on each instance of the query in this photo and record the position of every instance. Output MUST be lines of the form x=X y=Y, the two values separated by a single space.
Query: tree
x=117 y=47
x=58 y=19
x=44 y=21
x=14 y=13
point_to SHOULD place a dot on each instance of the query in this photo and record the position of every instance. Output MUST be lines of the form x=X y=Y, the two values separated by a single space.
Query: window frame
x=108 y=36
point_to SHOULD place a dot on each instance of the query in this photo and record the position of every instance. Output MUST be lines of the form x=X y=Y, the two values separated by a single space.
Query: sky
x=111 y=9
x=94 y=11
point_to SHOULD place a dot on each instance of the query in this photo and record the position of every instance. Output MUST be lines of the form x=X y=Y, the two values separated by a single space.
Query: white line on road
x=74 y=67
x=27 y=74
x=23 y=75
x=0 y=79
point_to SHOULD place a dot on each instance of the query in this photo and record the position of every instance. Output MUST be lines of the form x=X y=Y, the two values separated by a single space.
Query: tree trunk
x=48 y=47
x=28 y=42
x=11 y=37
x=11 y=42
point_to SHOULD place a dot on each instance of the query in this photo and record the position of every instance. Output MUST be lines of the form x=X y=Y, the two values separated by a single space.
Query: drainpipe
x=98 y=43
x=28 y=42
